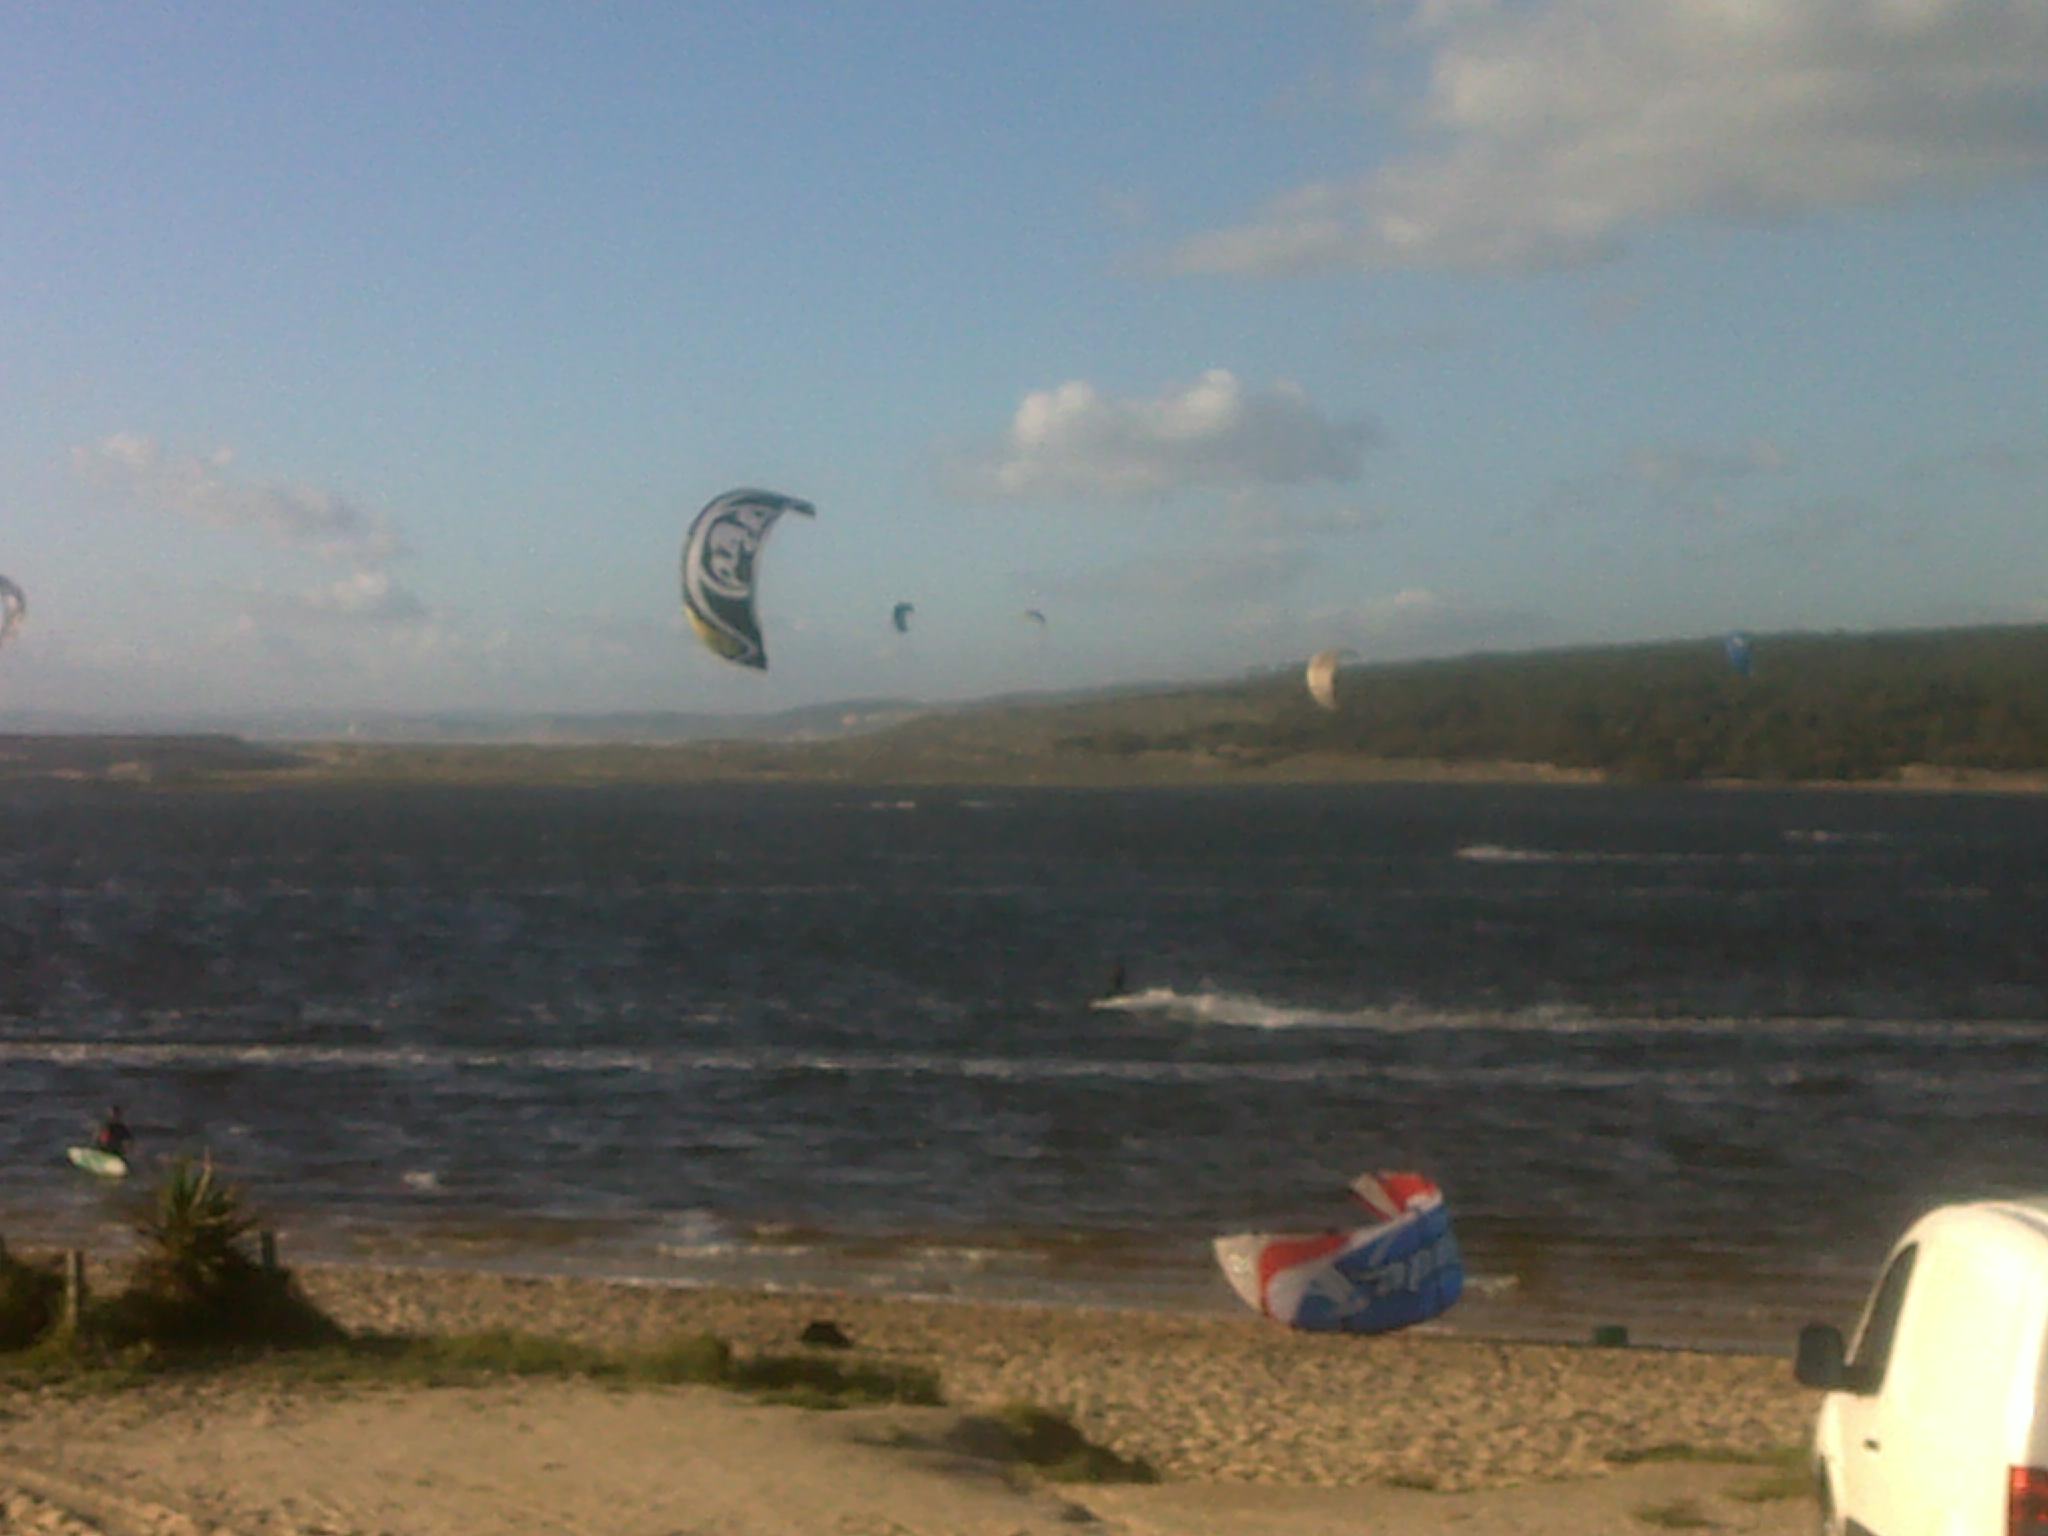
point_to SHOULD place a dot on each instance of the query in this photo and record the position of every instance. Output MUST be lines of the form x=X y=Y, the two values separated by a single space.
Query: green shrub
x=1676 y=1515
x=31 y=1296
x=500 y=1352
x=193 y=1233
x=689 y=1357
x=844 y=1384
x=196 y=1283
x=1059 y=1451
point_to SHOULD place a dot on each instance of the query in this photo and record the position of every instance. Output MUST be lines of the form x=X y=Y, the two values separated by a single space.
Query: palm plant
x=193 y=1231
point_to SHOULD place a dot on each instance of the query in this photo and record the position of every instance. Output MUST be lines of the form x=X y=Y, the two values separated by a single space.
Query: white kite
x=1322 y=676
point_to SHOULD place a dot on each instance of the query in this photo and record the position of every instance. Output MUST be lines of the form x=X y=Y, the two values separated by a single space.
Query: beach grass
x=99 y=1363
x=1708 y=1455
x=1790 y=1476
x=1051 y=1445
x=818 y=1383
x=1420 y=1482
x=197 y=1301
x=1675 y=1515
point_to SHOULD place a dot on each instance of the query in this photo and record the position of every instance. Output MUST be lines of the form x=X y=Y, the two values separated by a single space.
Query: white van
x=1937 y=1424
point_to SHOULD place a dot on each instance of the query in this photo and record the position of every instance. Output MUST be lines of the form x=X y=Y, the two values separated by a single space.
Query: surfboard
x=93 y=1160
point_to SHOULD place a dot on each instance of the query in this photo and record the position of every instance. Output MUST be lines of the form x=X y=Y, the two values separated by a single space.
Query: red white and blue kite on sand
x=1402 y=1270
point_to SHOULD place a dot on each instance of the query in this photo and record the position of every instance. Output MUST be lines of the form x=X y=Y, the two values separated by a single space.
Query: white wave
x=422 y=1181
x=1208 y=1009
x=1822 y=836
x=947 y=1256
x=1233 y=1008
x=1492 y=1285
x=701 y=1234
x=1496 y=853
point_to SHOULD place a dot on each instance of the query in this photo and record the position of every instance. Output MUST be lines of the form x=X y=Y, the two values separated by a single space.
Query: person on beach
x=114 y=1136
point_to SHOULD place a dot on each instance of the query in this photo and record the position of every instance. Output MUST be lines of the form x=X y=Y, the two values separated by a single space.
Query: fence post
x=74 y=1286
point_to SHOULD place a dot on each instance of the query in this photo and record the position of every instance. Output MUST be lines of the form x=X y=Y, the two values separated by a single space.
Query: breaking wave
x=1496 y=853
x=1234 y=1008
x=1242 y=1010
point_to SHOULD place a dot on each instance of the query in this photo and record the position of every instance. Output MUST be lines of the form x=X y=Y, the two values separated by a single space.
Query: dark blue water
x=1684 y=1057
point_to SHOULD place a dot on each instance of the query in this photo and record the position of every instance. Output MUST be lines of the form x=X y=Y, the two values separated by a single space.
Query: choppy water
x=1680 y=1058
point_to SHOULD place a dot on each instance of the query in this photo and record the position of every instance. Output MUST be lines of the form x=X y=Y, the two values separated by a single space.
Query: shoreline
x=165 y=764
x=1663 y=1301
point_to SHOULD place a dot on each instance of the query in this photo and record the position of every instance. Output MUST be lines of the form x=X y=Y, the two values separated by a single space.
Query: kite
x=1322 y=677
x=1035 y=617
x=901 y=617
x=719 y=560
x=13 y=609
x=1403 y=1270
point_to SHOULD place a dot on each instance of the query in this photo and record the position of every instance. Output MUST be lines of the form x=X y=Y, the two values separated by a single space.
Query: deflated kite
x=719 y=561
x=13 y=609
x=1402 y=1270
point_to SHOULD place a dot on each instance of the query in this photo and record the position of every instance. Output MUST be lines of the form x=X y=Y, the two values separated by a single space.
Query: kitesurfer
x=114 y=1136
x=1116 y=981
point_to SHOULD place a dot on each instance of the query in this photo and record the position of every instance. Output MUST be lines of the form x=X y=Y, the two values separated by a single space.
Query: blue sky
x=376 y=357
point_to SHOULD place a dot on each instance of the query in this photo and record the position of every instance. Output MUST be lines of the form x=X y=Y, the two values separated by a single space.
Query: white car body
x=1938 y=1414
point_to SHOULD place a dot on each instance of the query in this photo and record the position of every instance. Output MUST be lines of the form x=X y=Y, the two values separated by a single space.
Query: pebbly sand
x=1254 y=1428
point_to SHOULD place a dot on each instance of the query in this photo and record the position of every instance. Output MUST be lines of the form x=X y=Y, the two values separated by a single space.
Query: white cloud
x=1689 y=468
x=367 y=597
x=1260 y=516
x=1555 y=129
x=1124 y=208
x=1077 y=441
x=1215 y=577
x=136 y=469
x=1694 y=480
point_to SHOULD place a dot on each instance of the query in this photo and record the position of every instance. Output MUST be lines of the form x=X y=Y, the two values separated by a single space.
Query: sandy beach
x=1252 y=1429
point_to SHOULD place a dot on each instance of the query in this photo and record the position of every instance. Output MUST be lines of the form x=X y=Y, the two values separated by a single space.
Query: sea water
x=1682 y=1059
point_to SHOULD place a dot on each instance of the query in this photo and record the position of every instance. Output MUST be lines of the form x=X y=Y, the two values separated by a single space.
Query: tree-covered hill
x=1941 y=706
x=1815 y=707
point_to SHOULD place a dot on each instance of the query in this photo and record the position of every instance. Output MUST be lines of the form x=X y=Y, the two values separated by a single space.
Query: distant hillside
x=1933 y=707
x=643 y=727
x=1834 y=707
x=646 y=727
x=135 y=759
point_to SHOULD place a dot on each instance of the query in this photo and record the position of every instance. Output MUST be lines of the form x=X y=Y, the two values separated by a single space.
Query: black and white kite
x=719 y=561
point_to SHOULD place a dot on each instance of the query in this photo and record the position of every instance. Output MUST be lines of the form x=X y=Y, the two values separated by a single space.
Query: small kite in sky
x=13 y=609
